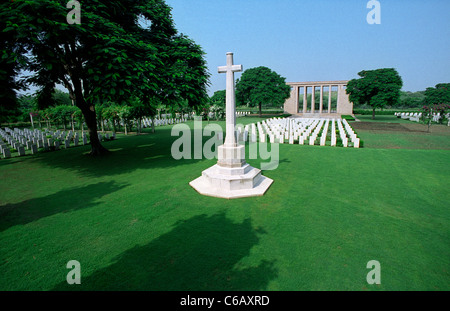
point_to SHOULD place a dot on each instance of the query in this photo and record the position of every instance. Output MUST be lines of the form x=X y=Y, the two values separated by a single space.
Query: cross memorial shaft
x=230 y=69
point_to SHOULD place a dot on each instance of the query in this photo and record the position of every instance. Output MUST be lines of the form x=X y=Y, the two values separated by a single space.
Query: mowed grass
x=134 y=223
x=396 y=133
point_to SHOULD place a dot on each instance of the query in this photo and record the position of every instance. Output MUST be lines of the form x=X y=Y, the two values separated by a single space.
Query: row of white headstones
x=275 y=130
x=416 y=116
x=239 y=114
x=35 y=139
x=242 y=113
x=413 y=116
x=147 y=122
x=301 y=131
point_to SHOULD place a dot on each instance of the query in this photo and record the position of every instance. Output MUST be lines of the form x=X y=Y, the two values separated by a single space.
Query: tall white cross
x=230 y=69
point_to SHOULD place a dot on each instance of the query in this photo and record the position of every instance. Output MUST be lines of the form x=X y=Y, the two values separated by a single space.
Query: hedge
x=379 y=112
x=348 y=118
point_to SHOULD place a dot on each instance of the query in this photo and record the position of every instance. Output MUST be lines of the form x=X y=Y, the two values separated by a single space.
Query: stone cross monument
x=231 y=177
x=230 y=69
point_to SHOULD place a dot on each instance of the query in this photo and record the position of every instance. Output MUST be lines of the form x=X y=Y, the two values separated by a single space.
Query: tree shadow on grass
x=127 y=154
x=199 y=254
x=60 y=202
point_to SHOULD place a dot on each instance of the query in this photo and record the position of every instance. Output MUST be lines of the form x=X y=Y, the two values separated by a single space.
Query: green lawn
x=134 y=223
x=397 y=133
x=382 y=118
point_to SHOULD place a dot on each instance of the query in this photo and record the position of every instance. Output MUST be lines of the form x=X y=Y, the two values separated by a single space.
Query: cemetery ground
x=134 y=223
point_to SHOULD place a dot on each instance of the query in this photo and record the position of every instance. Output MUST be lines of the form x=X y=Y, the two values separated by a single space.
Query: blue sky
x=321 y=40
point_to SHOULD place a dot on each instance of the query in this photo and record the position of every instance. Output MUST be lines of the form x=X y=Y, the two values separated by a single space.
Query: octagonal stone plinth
x=230 y=183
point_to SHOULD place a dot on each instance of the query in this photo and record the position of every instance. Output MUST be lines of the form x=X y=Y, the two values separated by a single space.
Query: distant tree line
x=60 y=112
x=381 y=88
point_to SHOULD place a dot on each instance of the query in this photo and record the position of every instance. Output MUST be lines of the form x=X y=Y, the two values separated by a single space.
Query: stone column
x=329 y=99
x=338 y=95
x=321 y=99
x=305 y=99
x=296 y=90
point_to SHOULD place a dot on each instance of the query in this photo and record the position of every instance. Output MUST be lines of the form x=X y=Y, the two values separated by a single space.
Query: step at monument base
x=231 y=183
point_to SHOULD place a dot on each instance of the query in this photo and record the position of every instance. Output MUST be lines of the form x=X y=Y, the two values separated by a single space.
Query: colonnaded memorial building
x=325 y=99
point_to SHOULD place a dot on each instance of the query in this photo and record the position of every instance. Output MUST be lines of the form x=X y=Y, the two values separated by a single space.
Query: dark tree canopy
x=121 y=49
x=9 y=69
x=219 y=98
x=376 y=88
x=438 y=95
x=261 y=86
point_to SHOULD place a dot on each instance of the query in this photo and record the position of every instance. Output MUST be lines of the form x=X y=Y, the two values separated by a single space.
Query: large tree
x=261 y=86
x=218 y=98
x=438 y=95
x=10 y=66
x=120 y=49
x=376 y=88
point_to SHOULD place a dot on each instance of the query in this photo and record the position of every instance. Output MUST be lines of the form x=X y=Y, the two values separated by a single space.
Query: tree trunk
x=260 y=113
x=373 y=114
x=91 y=123
x=153 y=124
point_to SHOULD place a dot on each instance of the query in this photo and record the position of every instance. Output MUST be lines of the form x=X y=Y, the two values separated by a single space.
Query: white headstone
x=34 y=149
x=6 y=153
x=21 y=150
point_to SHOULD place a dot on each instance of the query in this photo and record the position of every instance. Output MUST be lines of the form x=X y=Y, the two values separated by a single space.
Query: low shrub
x=286 y=115
x=361 y=143
x=348 y=117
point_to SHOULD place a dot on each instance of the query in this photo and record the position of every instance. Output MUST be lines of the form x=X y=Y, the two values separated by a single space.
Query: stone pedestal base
x=217 y=185
x=231 y=177
x=231 y=156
